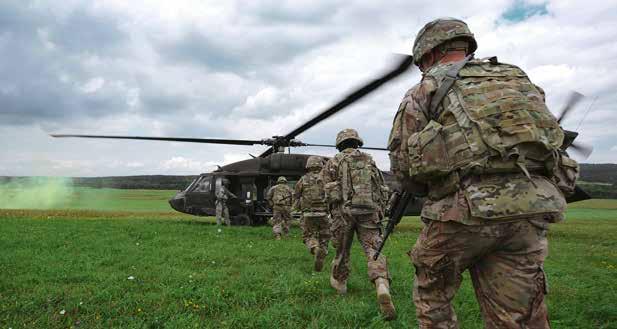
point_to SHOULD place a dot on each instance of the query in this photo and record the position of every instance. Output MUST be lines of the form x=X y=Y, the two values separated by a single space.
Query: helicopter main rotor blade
x=582 y=149
x=405 y=62
x=171 y=139
x=575 y=98
x=362 y=147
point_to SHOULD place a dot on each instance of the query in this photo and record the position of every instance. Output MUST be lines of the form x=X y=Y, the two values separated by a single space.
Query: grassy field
x=123 y=259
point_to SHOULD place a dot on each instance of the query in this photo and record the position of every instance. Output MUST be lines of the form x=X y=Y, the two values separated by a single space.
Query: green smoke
x=36 y=193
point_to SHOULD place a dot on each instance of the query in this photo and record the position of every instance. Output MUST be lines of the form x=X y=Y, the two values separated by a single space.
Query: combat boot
x=340 y=286
x=320 y=256
x=384 y=299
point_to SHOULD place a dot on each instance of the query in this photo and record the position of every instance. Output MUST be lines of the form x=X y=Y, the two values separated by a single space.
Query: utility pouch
x=514 y=195
x=428 y=155
x=565 y=174
x=334 y=193
x=443 y=186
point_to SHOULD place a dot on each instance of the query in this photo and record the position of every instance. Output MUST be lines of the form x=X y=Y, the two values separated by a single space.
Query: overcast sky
x=254 y=69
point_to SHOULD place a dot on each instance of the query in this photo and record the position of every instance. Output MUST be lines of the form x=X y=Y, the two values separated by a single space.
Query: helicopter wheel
x=241 y=220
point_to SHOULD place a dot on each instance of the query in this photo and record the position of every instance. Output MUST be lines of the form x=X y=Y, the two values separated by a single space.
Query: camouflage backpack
x=359 y=186
x=490 y=119
x=313 y=195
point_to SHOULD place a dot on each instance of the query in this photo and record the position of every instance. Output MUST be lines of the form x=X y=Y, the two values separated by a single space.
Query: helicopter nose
x=177 y=202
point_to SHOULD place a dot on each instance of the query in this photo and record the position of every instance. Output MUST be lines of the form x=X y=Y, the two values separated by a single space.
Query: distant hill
x=600 y=180
x=599 y=173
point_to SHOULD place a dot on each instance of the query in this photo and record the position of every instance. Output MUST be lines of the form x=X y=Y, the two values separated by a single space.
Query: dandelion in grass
x=131 y=278
x=62 y=312
x=219 y=230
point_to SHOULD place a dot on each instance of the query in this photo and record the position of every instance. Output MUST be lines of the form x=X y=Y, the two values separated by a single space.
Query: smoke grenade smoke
x=36 y=193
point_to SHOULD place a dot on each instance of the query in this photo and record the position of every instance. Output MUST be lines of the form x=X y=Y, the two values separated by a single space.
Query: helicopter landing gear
x=241 y=220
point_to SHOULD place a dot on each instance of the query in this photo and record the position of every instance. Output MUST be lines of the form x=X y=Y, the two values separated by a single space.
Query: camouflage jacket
x=479 y=199
x=280 y=195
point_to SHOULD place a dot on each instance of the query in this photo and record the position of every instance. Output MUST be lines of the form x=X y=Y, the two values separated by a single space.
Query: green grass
x=189 y=274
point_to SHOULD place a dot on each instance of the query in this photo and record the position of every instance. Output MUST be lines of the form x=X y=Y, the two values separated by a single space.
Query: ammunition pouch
x=428 y=156
x=334 y=192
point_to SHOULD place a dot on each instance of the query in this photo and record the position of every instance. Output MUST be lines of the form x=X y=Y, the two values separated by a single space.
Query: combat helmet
x=314 y=162
x=439 y=31
x=281 y=180
x=347 y=134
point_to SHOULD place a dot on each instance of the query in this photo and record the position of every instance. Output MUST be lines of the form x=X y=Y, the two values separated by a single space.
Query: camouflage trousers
x=222 y=213
x=368 y=228
x=316 y=232
x=506 y=266
x=281 y=220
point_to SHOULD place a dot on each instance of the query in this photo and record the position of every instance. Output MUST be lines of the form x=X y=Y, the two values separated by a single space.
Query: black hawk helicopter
x=250 y=179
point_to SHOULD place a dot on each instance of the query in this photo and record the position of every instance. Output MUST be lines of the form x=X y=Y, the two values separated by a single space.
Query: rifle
x=397 y=207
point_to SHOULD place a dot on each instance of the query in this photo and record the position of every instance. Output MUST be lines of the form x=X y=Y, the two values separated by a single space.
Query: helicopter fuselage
x=249 y=181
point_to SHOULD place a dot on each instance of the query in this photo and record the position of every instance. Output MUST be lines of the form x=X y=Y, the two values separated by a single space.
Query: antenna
x=587 y=112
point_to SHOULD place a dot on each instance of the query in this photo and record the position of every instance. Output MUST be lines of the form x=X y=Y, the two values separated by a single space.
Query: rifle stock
x=397 y=211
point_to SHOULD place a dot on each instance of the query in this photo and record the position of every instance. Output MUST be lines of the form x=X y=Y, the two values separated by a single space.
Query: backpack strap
x=446 y=83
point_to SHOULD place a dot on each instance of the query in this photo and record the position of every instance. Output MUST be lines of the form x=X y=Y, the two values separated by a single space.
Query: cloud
x=253 y=70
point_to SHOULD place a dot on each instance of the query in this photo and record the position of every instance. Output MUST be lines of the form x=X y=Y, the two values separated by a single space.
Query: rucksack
x=359 y=185
x=313 y=195
x=493 y=120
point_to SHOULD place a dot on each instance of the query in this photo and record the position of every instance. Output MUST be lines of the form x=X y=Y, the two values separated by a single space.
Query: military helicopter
x=250 y=179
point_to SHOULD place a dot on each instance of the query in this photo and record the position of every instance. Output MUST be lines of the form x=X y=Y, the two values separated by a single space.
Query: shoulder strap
x=446 y=84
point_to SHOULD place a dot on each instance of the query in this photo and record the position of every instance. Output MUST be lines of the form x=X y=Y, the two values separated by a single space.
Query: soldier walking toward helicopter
x=355 y=193
x=280 y=198
x=476 y=138
x=309 y=197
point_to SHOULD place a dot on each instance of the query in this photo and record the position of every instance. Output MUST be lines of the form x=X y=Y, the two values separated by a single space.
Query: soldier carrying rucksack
x=476 y=137
x=280 y=197
x=356 y=194
x=310 y=198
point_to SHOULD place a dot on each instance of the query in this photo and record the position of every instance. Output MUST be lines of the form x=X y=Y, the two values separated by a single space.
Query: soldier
x=354 y=191
x=280 y=198
x=309 y=197
x=222 y=211
x=476 y=137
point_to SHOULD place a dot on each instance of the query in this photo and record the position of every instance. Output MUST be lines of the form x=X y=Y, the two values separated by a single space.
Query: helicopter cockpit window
x=203 y=185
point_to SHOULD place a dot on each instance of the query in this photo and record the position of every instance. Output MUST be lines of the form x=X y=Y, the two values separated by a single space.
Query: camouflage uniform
x=280 y=197
x=486 y=212
x=339 y=175
x=222 y=210
x=309 y=197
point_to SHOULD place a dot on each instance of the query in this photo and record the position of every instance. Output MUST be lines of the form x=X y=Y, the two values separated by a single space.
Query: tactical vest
x=313 y=195
x=491 y=120
x=360 y=188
